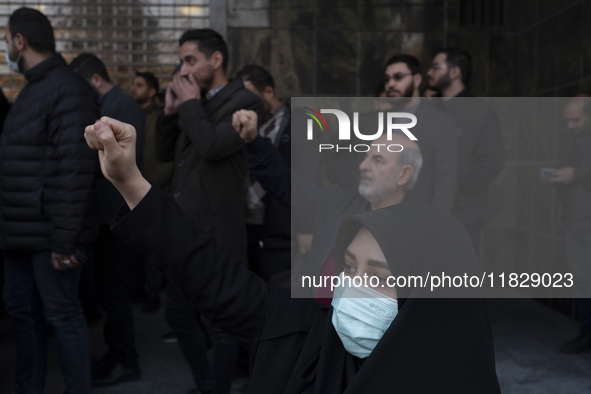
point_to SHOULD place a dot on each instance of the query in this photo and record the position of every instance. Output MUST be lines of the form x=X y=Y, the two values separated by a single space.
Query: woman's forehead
x=364 y=247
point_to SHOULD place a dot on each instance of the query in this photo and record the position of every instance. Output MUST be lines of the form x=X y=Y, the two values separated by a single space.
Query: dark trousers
x=254 y=234
x=35 y=294
x=584 y=305
x=190 y=330
x=2 y=311
x=153 y=277
x=145 y=279
x=113 y=259
x=86 y=289
x=578 y=252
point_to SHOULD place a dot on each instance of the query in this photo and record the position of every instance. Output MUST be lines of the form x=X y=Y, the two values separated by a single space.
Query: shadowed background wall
x=338 y=48
x=519 y=48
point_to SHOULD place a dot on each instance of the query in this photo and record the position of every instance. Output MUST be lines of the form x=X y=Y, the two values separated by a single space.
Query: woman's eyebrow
x=379 y=264
x=350 y=254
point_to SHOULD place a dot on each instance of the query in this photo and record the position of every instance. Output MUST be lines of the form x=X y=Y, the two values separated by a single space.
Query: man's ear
x=417 y=79
x=20 y=42
x=152 y=92
x=217 y=60
x=96 y=81
x=405 y=175
x=268 y=93
x=455 y=73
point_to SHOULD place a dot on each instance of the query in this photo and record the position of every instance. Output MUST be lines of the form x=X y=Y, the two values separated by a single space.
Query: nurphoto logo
x=392 y=120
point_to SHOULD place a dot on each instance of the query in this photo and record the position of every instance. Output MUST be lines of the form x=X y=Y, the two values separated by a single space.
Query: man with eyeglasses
x=435 y=131
x=480 y=145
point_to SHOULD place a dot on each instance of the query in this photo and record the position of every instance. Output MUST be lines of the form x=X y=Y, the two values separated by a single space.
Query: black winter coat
x=47 y=198
x=209 y=171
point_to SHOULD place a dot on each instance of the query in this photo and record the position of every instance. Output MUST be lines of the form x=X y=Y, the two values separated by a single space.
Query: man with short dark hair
x=480 y=157
x=450 y=72
x=144 y=90
x=114 y=258
x=47 y=205
x=207 y=182
x=436 y=133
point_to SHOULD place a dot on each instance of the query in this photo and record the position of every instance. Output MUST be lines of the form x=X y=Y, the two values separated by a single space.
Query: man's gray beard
x=365 y=192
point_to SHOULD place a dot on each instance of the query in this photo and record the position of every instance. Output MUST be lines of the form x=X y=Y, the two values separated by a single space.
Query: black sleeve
x=267 y=165
x=582 y=166
x=167 y=131
x=73 y=110
x=4 y=108
x=291 y=189
x=216 y=284
x=211 y=141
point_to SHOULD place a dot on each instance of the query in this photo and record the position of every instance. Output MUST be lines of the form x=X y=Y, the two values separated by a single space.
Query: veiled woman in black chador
x=298 y=346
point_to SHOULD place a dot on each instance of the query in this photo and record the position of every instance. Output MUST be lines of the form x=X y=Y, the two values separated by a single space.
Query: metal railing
x=128 y=35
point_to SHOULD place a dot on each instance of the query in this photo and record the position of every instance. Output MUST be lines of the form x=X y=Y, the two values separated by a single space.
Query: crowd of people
x=193 y=191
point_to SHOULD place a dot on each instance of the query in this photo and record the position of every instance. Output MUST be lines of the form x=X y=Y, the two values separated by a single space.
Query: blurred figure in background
x=114 y=258
x=574 y=180
x=436 y=133
x=268 y=221
x=144 y=90
x=480 y=155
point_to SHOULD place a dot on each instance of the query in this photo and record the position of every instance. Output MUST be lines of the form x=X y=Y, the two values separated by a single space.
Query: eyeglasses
x=437 y=66
x=396 y=77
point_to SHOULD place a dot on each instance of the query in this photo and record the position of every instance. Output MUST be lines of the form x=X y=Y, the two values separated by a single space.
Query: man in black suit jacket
x=268 y=221
x=480 y=155
x=208 y=180
x=436 y=133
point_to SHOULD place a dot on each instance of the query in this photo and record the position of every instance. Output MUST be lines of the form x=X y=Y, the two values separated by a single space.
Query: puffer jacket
x=47 y=199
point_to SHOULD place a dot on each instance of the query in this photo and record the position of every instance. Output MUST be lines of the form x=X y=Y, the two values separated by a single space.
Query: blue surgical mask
x=13 y=64
x=361 y=316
